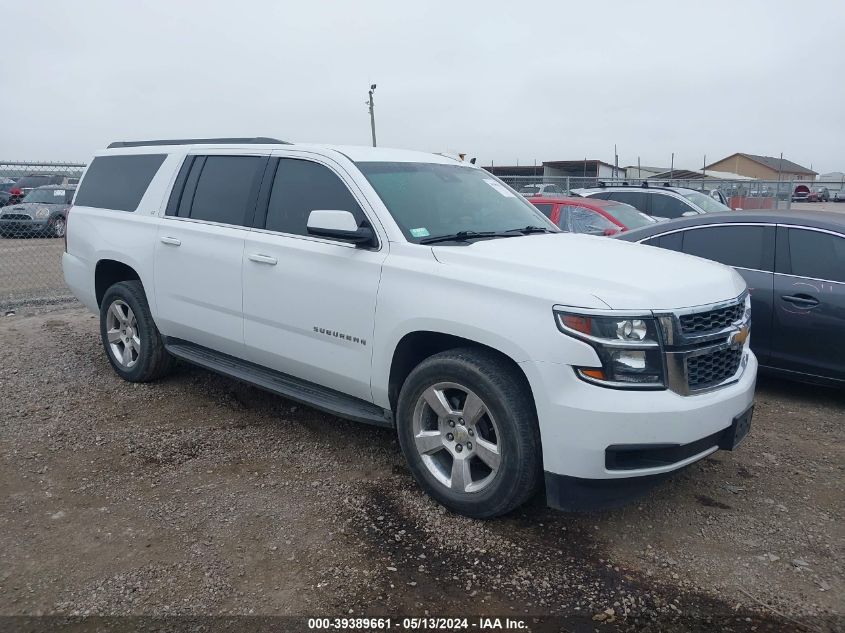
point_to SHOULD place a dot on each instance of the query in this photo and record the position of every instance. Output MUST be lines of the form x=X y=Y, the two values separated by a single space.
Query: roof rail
x=257 y=140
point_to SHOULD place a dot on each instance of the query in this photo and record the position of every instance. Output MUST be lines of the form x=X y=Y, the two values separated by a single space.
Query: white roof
x=385 y=154
x=355 y=153
x=725 y=175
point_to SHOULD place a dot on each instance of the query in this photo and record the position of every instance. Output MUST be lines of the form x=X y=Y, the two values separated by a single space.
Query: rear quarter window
x=118 y=182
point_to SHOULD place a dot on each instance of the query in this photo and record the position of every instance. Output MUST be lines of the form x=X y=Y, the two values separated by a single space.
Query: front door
x=809 y=298
x=309 y=303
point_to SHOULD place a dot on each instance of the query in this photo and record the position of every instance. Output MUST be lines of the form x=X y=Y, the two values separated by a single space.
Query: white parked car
x=416 y=292
x=839 y=196
x=542 y=189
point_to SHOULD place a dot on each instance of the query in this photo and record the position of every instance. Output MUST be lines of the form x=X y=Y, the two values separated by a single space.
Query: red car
x=591 y=215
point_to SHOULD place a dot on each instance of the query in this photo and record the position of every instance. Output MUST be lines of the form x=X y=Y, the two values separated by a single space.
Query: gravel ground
x=199 y=495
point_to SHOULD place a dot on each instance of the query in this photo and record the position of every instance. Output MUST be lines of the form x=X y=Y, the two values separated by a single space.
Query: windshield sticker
x=499 y=187
x=58 y=192
x=421 y=232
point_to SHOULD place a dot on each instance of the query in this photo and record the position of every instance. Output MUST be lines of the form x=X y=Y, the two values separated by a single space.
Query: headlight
x=628 y=346
x=42 y=213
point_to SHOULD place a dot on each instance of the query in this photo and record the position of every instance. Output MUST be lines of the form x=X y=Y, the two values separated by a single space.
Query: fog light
x=629 y=360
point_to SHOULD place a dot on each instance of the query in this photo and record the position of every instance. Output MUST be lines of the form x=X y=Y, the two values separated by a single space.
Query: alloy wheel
x=456 y=437
x=122 y=334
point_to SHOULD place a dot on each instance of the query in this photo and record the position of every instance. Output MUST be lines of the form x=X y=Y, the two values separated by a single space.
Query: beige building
x=762 y=167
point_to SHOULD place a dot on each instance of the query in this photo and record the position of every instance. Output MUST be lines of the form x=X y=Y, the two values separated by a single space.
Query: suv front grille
x=707 y=370
x=15 y=216
x=712 y=319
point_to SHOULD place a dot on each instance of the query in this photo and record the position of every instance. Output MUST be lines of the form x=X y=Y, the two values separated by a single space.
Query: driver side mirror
x=340 y=225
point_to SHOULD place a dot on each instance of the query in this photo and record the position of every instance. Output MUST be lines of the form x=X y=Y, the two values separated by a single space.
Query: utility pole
x=615 y=163
x=672 y=167
x=639 y=171
x=372 y=113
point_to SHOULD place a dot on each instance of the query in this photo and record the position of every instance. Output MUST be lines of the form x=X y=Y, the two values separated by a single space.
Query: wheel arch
x=414 y=347
x=109 y=272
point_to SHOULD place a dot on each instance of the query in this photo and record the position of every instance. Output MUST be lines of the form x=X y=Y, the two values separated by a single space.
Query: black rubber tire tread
x=504 y=390
x=154 y=360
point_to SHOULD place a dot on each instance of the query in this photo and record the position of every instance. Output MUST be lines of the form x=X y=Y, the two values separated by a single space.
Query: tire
x=464 y=479
x=146 y=359
x=57 y=227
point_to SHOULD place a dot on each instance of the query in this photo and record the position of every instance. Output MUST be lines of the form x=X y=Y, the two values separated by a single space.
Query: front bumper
x=580 y=421
x=23 y=227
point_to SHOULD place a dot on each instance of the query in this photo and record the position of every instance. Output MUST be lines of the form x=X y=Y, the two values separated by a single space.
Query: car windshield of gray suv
x=705 y=202
x=46 y=196
x=430 y=201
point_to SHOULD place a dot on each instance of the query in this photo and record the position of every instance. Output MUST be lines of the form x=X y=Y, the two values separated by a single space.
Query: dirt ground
x=199 y=495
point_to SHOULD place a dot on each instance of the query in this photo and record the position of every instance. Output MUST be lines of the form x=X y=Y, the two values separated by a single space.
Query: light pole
x=372 y=114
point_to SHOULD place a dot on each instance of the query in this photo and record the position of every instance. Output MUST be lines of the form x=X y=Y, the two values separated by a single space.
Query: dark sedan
x=794 y=265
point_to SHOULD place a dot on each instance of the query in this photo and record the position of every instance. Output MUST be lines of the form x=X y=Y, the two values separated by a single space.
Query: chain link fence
x=35 y=197
x=737 y=194
x=34 y=200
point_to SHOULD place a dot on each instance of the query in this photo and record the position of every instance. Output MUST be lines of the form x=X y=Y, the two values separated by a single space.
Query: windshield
x=46 y=196
x=430 y=200
x=704 y=202
x=33 y=181
x=628 y=215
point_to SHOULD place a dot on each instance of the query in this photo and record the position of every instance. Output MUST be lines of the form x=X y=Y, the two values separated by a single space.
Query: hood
x=623 y=275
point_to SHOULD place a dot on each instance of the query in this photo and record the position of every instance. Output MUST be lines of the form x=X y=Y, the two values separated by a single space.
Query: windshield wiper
x=463 y=236
x=527 y=230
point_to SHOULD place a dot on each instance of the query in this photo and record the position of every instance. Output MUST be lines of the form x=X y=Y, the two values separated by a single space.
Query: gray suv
x=662 y=203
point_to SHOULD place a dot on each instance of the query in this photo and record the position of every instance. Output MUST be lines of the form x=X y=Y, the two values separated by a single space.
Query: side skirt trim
x=307 y=393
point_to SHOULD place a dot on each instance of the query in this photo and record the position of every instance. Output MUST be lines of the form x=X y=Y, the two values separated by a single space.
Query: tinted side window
x=636 y=199
x=663 y=206
x=818 y=255
x=301 y=187
x=225 y=189
x=742 y=246
x=118 y=182
x=545 y=209
x=605 y=195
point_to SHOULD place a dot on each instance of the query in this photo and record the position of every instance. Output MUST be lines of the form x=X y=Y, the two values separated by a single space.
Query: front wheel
x=58 y=226
x=468 y=429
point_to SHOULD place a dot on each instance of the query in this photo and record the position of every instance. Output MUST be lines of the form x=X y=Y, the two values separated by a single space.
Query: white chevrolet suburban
x=413 y=291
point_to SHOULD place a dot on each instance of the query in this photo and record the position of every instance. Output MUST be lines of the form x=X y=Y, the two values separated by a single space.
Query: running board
x=307 y=393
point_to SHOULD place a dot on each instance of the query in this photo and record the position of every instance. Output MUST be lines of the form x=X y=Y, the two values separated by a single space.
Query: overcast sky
x=503 y=81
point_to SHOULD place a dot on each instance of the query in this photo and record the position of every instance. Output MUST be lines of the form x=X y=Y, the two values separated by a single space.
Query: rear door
x=750 y=249
x=809 y=311
x=309 y=302
x=199 y=252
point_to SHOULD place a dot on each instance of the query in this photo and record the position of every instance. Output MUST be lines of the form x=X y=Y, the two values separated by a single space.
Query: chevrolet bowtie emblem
x=739 y=337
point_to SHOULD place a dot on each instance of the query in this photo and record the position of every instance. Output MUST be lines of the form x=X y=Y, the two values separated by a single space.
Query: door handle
x=171 y=240
x=801 y=300
x=263 y=259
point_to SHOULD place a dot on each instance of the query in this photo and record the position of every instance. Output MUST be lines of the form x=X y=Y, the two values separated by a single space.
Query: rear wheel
x=467 y=426
x=130 y=336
